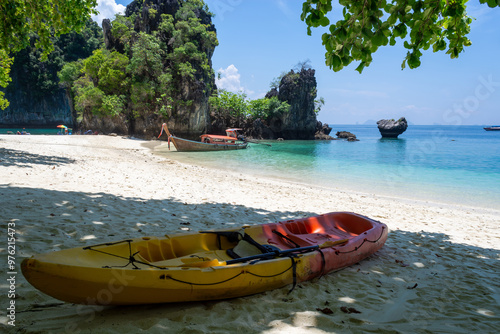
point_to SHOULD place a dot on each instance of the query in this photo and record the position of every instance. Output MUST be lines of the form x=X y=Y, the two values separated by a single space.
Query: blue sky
x=260 y=39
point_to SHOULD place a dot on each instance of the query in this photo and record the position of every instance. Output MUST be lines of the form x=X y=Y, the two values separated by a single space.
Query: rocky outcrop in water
x=298 y=89
x=390 y=128
x=323 y=132
x=346 y=135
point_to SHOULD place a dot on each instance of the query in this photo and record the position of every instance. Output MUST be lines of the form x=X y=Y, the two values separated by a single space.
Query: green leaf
x=334 y=62
x=361 y=67
x=324 y=21
x=493 y=3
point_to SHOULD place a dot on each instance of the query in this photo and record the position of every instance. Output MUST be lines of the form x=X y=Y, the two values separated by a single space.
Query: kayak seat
x=249 y=247
x=154 y=250
x=243 y=249
x=201 y=259
x=293 y=236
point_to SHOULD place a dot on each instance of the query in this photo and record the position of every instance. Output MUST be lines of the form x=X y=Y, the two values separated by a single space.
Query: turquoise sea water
x=449 y=164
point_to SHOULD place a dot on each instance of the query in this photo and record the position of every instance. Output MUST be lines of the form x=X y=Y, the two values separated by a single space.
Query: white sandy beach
x=438 y=272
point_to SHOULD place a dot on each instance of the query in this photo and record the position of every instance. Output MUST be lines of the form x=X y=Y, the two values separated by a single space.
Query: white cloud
x=229 y=79
x=107 y=10
x=285 y=9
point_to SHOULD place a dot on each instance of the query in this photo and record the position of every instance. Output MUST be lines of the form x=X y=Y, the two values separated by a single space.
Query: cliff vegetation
x=155 y=67
x=150 y=66
x=35 y=97
x=287 y=111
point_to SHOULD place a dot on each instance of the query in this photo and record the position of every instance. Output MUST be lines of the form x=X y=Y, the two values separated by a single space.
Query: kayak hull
x=196 y=266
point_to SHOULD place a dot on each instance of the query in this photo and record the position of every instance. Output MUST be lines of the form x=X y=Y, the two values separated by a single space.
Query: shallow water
x=450 y=164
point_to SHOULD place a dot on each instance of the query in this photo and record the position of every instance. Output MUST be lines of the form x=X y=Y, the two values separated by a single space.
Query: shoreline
x=345 y=188
x=437 y=272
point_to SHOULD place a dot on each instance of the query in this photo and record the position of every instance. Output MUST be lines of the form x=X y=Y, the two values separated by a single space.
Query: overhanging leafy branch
x=369 y=24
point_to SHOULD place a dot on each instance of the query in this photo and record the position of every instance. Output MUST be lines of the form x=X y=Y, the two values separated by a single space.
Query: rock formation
x=190 y=115
x=390 y=128
x=323 y=132
x=35 y=96
x=27 y=108
x=299 y=91
x=273 y=92
x=346 y=135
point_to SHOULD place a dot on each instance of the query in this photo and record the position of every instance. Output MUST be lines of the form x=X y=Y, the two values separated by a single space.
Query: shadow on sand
x=10 y=157
x=416 y=283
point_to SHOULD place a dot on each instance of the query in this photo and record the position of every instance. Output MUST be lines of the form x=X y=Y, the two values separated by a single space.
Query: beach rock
x=323 y=132
x=346 y=135
x=389 y=128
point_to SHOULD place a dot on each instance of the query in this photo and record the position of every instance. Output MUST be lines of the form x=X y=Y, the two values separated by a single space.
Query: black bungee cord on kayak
x=281 y=235
x=293 y=266
x=337 y=252
x=292 y=254
x=131 y=259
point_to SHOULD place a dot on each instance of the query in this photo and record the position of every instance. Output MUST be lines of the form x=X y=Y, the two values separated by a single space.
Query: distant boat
x=493 y=128
x=207 y=143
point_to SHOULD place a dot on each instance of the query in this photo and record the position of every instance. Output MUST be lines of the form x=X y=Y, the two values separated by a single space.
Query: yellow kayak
x=206 y=265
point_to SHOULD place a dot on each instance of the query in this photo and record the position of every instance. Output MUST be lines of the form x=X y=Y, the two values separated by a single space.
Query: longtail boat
x=207 y=143
x=206 y=265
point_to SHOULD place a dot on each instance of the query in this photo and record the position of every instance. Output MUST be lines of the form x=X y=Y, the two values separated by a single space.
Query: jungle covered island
x=150 y=66
x=288 y=110
x=155 y=67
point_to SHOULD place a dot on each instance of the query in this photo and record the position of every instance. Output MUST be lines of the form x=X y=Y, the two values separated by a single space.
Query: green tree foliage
x=442 y=25
x=123 y=30
x=229 y=104
x=147 y=73
x=93 y=64
x=87 y=96
x=235 y=105
x=70 y=73
x=5 y=64
x=267 y=108
x=102 y=87
x=318 y=104
x=20 y=19
x=112 y=73
x=146 y=62
x=39 y=78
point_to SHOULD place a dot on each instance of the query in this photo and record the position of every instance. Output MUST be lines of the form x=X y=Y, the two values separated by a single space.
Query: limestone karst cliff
x=175 y=86
x=35 y=95
x=298 y=89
